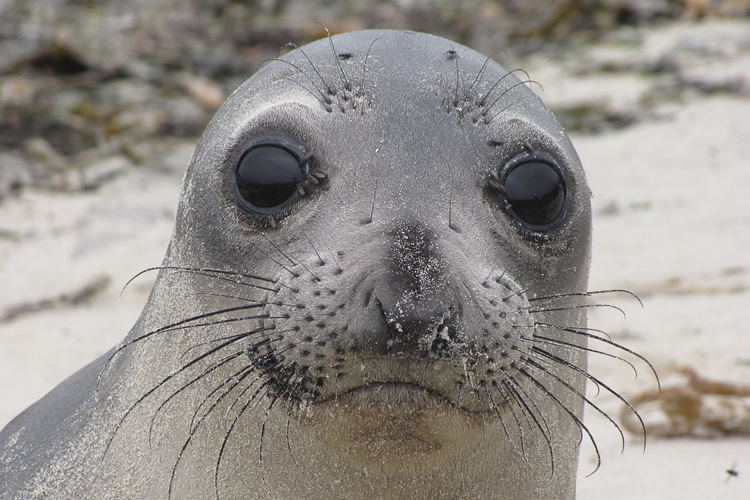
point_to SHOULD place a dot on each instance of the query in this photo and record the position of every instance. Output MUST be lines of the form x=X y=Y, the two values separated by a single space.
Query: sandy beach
x=671 y=224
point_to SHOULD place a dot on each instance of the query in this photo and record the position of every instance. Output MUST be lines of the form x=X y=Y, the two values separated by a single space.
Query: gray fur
x=404 y=230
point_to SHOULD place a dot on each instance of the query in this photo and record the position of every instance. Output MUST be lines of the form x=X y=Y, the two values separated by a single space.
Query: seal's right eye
x=267 y=178
x=535 y=193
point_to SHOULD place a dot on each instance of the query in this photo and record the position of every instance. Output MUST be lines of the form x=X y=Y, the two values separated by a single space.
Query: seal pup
x=374 y=289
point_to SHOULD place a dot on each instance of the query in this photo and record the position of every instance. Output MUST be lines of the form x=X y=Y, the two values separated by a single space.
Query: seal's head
x=371 y=284
x=380 y=240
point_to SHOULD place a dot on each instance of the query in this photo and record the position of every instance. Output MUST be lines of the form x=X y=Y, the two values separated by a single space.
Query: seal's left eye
x=535 y=192
x=267 y=178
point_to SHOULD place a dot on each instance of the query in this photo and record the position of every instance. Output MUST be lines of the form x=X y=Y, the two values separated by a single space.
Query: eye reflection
x=267 y=178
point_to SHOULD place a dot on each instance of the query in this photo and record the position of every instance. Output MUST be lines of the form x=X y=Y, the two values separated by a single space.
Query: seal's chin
x=393 y=420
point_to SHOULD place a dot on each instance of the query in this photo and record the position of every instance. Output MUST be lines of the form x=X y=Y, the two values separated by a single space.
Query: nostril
x=422 y=328
x=406 y=326
x=441 y=341
x=445 y=334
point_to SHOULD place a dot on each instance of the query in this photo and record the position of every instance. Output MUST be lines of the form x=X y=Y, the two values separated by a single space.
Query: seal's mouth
x=392 y=383
x=396 y=400
x=395 y=396
x=399 y=398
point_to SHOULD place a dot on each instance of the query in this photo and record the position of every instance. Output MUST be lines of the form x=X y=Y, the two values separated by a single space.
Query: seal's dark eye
x=535 y=192
x=267 y=178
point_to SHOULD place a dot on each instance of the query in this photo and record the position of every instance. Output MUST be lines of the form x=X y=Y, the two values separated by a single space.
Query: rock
x=14 y=175
x=94 y=175
x=16 y=91
x=592 y=117
x=205 y=92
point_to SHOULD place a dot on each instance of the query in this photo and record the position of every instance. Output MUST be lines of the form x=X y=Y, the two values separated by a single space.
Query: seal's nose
x=421 y=328
x=415 y=297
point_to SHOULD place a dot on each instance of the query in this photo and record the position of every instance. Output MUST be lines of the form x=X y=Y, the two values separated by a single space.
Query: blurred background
x=82 y=80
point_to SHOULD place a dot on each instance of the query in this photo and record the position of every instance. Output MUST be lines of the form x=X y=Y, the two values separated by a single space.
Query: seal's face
x=387 y=234
x=409 y=240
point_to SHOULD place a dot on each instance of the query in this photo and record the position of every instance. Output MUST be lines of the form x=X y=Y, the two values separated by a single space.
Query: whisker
x=225 y=296
x=263 y=432
x=320 y=259
x=231 y=428
x=159 y=385
x=285 y=268
x=267 y=371
x=470 y=97
x=523 y=290
x=504 y=93
x=231 y=320
x=596 y=384
x=289 y=258
x=325 y=83
x=229 y=384
x=374 y=197
x=236 y=281
x=503 y=110
x=586 y=374
x=548 y=340
x=578 y=393
x=579 y=329
x=583 y=332
x=546 y=435
x=497 y=411
x=484 y=283
x=202 y=270
x=454 y=56
x=215 y=367
x=483 y=100
x=333 y=257
x=502 y=275
x=513 y=412
x=346 y=84
x=572 y=415
x=236 y=379
x=288 y=444
x=260 y=448
x=586 y=294
x=246 y=371
x=325 y=99
x=167 y=328
x=572 y=308
x=364 y=64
